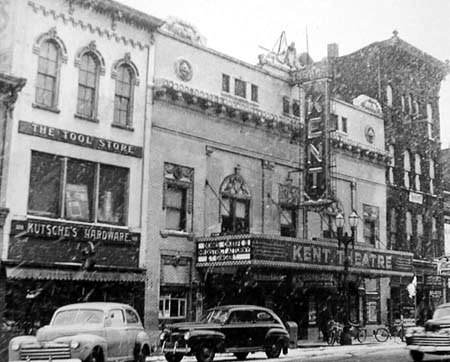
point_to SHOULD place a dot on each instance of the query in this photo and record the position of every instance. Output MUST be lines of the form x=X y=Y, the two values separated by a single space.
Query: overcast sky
x=239 y=27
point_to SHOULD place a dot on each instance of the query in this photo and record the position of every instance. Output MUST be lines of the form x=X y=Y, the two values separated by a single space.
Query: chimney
x=333 y=50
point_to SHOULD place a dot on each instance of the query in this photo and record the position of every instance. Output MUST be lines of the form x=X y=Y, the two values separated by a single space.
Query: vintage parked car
x=433 y=338
x=88 y=332
x=237 y=329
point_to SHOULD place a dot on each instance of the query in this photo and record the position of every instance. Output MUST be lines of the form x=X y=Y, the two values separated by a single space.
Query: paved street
x=376 y=352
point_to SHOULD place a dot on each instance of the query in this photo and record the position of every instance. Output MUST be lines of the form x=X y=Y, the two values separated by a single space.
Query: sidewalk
x=309 y=349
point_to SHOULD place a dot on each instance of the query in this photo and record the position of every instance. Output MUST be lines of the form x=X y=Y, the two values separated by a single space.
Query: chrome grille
x=434 y=340
x=28 y=353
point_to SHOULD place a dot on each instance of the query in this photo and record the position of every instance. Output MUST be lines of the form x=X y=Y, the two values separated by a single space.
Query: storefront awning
x=75 y=275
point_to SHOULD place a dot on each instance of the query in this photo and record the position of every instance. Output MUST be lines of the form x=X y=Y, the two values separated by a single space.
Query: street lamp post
x=346 y=240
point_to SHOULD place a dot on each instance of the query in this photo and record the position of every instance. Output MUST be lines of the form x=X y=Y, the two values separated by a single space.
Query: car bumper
x=429 y=349
x=174 y=347
x=52 y=360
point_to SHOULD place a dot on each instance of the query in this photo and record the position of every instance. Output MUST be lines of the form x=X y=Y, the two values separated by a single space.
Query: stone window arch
x=51 y=53
x=235 y=204
x=91 y=65
x=126 y=75
x=389 y=96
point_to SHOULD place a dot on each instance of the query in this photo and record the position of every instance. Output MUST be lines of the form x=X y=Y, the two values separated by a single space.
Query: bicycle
x=357 y=331
x=390 y=331
x=335 y=330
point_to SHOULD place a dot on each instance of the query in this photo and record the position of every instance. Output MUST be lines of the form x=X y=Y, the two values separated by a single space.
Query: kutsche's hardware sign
x=79 y=139
x=70 y=231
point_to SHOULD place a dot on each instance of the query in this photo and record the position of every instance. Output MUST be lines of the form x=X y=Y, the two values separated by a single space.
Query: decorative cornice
x=68 y=18
x=117 y=12
x=10 y=87
x=359 y=150
x=223 y=106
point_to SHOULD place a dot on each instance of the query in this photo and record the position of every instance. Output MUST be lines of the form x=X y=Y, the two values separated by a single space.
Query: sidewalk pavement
x=309 y=349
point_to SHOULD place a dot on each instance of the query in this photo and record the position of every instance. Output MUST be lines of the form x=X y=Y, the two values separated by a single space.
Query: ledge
x=177 y=233
x=45 y=108
x=121 y=126
x=240 y=110
x=86 y=118
x=359 y=150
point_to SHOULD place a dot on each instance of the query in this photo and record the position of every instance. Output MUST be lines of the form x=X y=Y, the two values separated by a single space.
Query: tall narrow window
x=235 y=204
x=87 y=86
x=178 y=196
x=407 y=169
x=240 y=88
x=391 y=164
x=123 y=99
x=288 y=222
x=286 y=105
x=344 y=124
x=225 y=83
x=393 y=228
x=416 y=108
x=434 y=235
x=48 y=74
x=430 y=122
x=371 y=220
x=410 y=104
x=432 y=175
x=419 y=225
x=408 y=228
x=296 y=108
x=389 y=95
x=403 y=103
x=418 y=171
x=254 y=95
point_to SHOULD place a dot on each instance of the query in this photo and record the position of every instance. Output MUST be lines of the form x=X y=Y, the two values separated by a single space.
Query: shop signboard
x=49 y=229
x=318 y=255
x=79 y=139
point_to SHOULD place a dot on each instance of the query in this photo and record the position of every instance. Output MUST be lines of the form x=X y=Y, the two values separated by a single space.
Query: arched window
x=432 y=176
x=123 y=97
x=91 y=65
x=88 y=86
x=407 y=169
x=417 y=170
x=391 y=151
x=389 y=98
x=51 y=53
x=235 y=204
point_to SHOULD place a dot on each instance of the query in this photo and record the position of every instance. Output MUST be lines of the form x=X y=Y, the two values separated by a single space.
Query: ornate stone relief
x=234 y=185
x=51 y=35
x=91 y=48
x=183 y=70
x=125 y=60
x=289 y=195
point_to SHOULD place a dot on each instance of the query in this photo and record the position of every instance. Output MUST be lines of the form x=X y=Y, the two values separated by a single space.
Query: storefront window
x=172 y=307
x=62 y=187
x=45 y=182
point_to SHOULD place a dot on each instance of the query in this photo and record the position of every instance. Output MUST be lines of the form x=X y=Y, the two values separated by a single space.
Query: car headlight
x=74 y=344
x=162 y=336
x=187 y=335
x=15 y=346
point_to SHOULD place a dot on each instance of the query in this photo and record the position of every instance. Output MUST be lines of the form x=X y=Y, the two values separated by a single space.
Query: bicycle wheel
x=362 y=335
x=331 y=337
x=382 y=334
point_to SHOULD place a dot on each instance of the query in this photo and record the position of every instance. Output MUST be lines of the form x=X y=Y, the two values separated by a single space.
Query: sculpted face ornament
x=183 y=70
x=370 y=134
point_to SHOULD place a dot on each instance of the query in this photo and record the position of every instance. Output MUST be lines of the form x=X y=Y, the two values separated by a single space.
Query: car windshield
x=78 y=316
x=442 y=313
x=215 y=316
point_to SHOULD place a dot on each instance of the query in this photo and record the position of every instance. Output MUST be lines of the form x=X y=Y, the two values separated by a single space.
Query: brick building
x=406 y=82
x=73 y=163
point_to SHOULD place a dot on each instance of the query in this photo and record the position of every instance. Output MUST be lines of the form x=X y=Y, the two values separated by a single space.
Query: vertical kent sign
x=314 y=82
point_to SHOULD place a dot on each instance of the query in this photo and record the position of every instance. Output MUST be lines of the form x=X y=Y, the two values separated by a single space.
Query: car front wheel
x=417 y=356
x=241 y=355
x=95 y=356
x=273 y=350
x=173 y=357
x=143 y=353
x=205 y=353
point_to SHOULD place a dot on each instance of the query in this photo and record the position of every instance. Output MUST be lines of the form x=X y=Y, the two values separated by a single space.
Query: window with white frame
x=408 y=227
x=79 y=190
x=172 y=306
x=406 y=169
x=240 y=88
x=123 y=96
x=88 y=85
x=47 y=81
x=418 y=171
